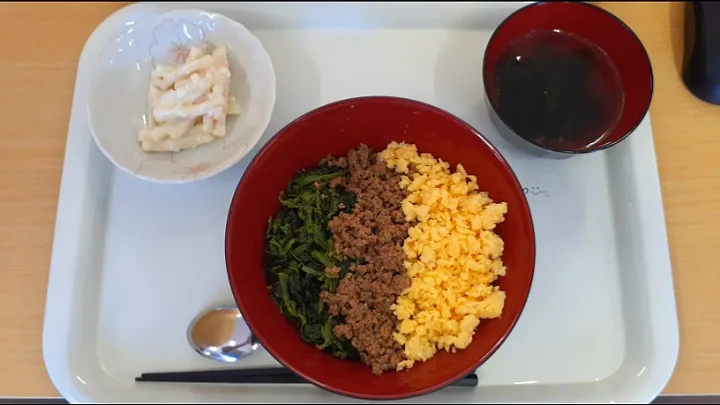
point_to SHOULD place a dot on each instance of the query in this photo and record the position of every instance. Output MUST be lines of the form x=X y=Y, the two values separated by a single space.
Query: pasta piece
x=170 y=78
x=192 y=139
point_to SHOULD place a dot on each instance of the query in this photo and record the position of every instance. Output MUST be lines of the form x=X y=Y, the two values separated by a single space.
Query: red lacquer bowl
x=595 y=25
x=335 y=129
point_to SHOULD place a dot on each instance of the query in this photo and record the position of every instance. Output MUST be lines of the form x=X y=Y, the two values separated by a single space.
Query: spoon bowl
x=221 y=334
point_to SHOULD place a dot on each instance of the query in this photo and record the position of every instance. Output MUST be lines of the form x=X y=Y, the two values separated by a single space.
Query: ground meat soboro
x=374 y=232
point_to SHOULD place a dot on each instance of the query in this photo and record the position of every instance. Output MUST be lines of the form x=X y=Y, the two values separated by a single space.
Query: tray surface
x=133 y=262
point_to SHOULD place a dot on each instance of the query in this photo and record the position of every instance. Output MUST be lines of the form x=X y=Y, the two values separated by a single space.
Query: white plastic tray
x=133 y=262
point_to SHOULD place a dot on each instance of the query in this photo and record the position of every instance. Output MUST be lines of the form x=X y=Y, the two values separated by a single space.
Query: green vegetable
x=298 y=250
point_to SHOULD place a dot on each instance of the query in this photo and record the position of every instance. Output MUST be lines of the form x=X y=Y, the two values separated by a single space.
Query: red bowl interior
x=599 y=27
x=335 y=129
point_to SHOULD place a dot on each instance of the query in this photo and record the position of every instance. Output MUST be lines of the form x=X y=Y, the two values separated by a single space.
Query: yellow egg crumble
x=453 y=255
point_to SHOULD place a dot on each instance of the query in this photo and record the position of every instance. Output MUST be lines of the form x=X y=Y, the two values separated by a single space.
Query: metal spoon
x=221 y=334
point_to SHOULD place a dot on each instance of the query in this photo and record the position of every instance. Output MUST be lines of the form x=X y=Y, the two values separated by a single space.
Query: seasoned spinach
x=299 y=247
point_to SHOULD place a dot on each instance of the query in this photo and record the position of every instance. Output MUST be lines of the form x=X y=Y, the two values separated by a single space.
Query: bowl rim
x=220 y=165
x=622 y=24
x=233 y=213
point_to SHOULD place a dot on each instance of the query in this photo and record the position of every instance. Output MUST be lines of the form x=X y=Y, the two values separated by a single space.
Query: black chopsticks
x=239 y=376
x=273 y=375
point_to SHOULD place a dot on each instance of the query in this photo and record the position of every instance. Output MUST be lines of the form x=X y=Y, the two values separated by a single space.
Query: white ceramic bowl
x=117 y=106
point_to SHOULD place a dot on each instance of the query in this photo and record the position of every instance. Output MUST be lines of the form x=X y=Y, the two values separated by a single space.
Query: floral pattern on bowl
x=117 y=105
x=173 y=40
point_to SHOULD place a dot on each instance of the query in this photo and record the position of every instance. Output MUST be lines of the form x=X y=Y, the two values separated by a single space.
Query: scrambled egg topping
x=453 y=255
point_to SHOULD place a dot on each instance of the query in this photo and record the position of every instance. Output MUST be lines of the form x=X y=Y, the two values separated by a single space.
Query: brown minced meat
x=374 y=231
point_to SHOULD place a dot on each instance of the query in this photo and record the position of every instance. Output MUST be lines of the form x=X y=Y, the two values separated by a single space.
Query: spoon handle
x=274 y=375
